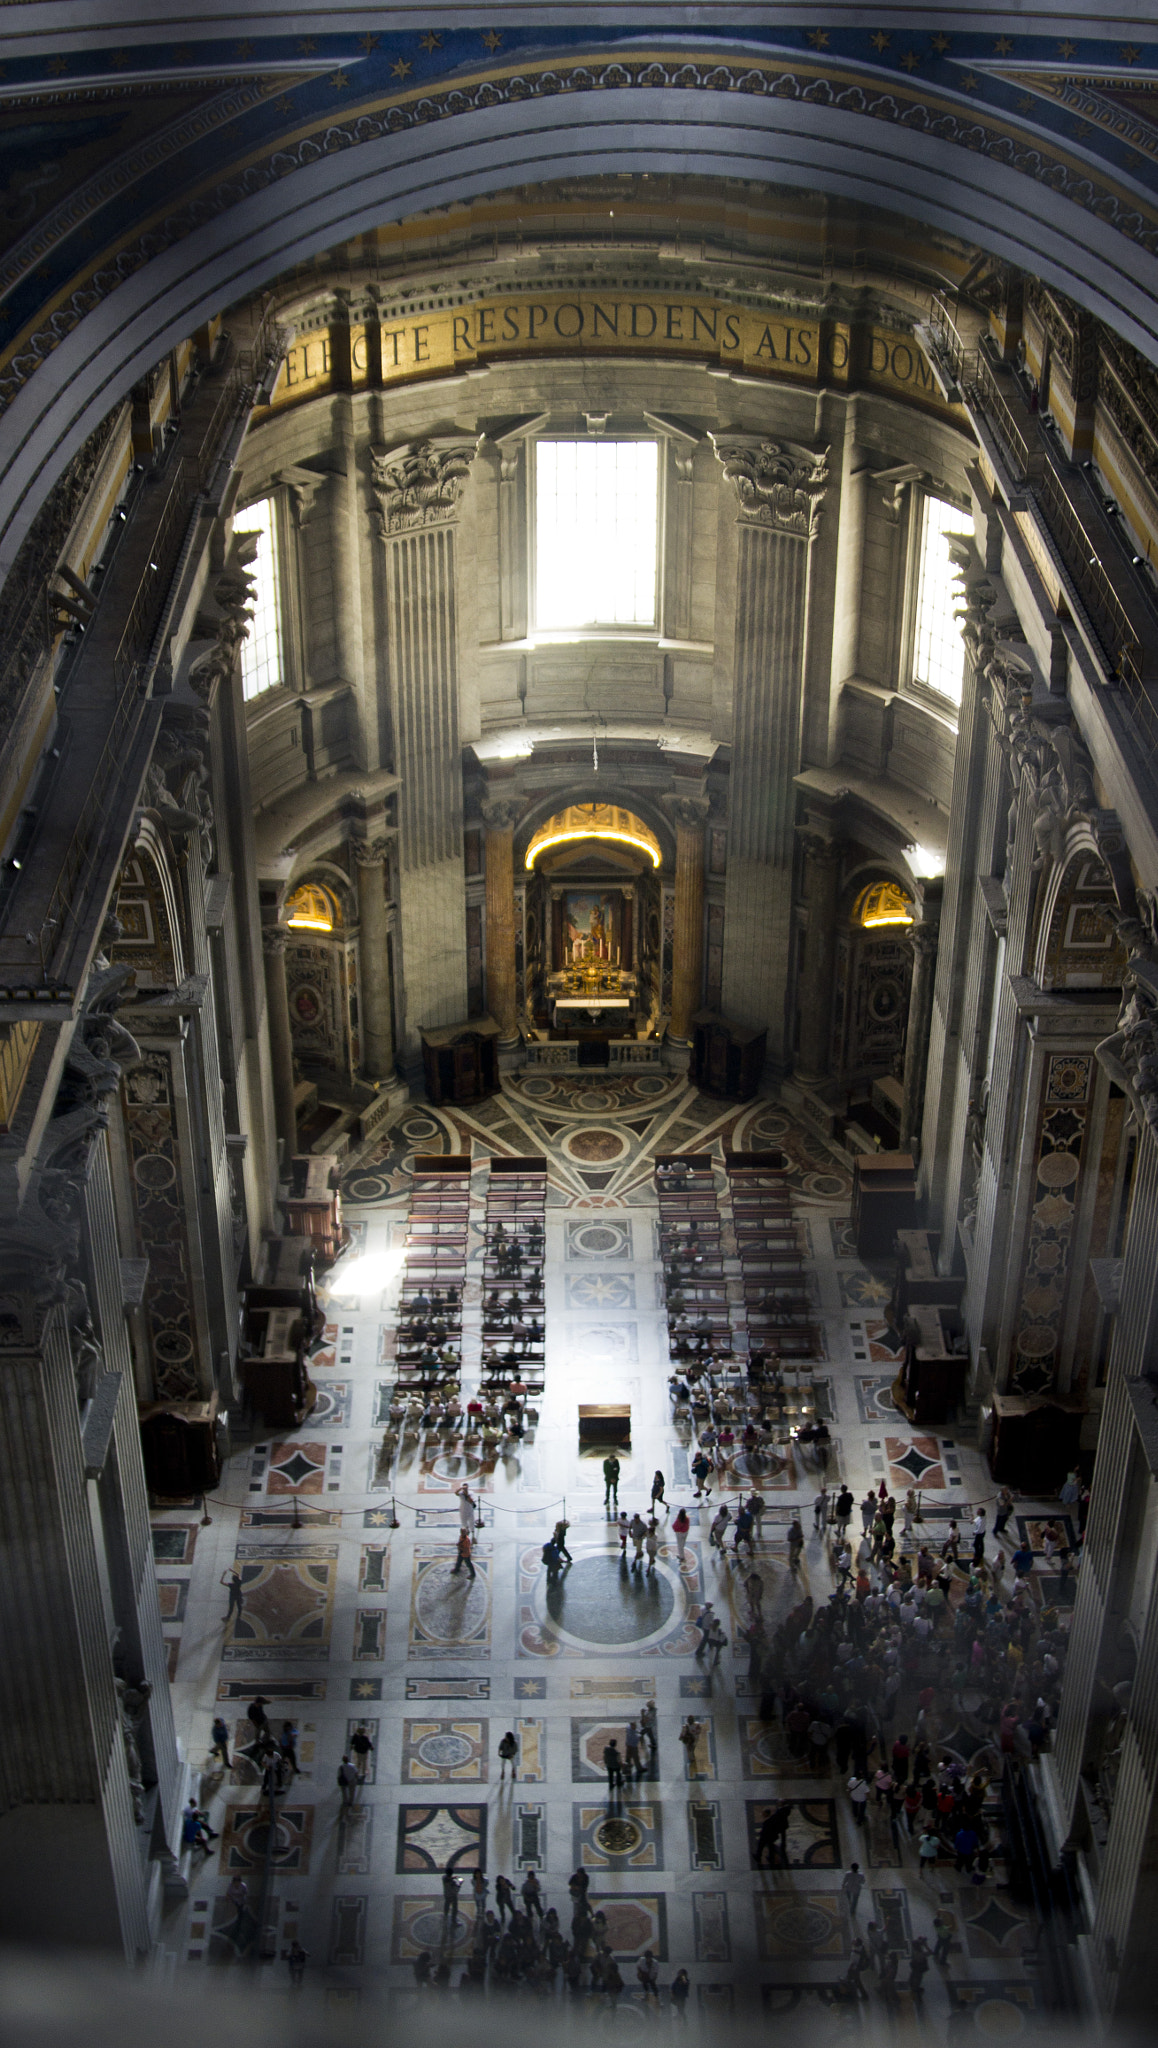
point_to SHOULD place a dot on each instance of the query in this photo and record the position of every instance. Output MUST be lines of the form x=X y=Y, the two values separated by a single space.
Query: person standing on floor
x=347 y=1782
x=858 y=1793
x=943 y=1930
x=632 y=1766
x=648 y=1728
x=852 y=1885
x=681 y=1523
x=559 y=1539
x=918 y=1965
x=637 y=1529
x=795 y=1543
x=773 y=1836
x=220 y=1740
x=363 y=1750
x=651 y=1543
x=1005 y=1507
x=647 y=1970
x=504 y=1899
x=297 y=1957
x=720 y=1522
x=681 y=1985
x=464 y=1556
x=509 y=1754
x=820 y=1512
x=689 y=1736
x=611 y=1480
x=702 y=1473
x=236 y=1606
x=613 y=1765
x=288 y=1746
x=657 y=1487
x=623 y=1527
x=467 y=1510
x=451 y=1886
x=532 y=1896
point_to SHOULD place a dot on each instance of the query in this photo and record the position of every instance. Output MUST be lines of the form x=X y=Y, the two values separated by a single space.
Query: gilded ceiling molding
x=845 y=91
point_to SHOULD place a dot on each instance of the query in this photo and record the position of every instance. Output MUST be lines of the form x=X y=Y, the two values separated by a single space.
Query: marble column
x=814 y=996
x=922 y=938
x=500 y=815
x=274 y=939
x=376 y=1013
x=418 y=488
x=780 y=489
x=689 y=814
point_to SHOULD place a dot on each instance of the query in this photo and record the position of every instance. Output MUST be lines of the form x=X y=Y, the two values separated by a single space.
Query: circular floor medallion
x=595 y=1099
x=595 y=1145
x=445 y=1752
x=597 y=1603
x=600 y=1241
x=421 y=1127
x=366 y=1187
x=618 y=1835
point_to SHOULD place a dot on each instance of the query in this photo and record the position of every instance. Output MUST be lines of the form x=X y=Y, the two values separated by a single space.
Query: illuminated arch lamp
x=882 y=903
x=311 y=909
x=595 y=821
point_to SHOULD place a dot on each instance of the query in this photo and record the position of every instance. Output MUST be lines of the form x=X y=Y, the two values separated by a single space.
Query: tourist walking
x=611 y=1481
x=509 y=1754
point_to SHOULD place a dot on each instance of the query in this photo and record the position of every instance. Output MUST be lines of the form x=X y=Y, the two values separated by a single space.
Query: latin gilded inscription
x=437 y=343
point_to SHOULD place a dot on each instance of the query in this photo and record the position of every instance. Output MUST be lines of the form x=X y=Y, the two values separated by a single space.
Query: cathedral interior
x=579 y=901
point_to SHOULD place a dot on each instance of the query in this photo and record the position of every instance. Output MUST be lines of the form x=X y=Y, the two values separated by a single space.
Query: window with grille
x=938 y=650
x=262 y=665
x=596 y=534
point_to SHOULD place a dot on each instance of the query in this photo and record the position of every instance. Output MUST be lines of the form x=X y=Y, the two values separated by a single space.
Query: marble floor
x=352 y=1615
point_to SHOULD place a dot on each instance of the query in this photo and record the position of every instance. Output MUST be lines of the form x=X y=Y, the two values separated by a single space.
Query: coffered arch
x=826 y=127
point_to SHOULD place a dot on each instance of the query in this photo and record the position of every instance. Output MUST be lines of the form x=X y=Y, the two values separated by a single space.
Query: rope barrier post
x=394 y=1522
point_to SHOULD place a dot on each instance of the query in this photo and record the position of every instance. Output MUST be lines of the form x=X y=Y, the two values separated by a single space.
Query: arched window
x=262 y=652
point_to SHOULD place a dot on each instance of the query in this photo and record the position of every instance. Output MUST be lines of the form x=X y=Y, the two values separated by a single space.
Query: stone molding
x=274 y=940
x=419 y=483
x=779 y=484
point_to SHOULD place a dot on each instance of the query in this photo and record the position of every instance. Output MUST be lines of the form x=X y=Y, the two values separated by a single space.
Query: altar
x=593 y=996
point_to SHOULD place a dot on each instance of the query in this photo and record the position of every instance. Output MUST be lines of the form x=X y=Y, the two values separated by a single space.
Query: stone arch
x=148 y=905
x=1077 y=942
x=1006 y=191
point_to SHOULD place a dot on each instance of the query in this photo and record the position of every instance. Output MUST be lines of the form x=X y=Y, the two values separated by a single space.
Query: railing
x=961 y=360
x=1018 y=436
x=88 y=835
x=233 y=396
x=153 y=589
x=1078 y=548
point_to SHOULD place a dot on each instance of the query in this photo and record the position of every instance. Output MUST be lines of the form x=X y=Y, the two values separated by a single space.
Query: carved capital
x=419 y=484
x=502 y=813
x=923 y=939
x=274 y=940
x=225 y=623
x=369 y=853
x=818 y=851
x=690 y=813
x=779 y=484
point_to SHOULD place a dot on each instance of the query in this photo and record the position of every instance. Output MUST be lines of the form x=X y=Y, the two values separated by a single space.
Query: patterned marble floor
x=351 y=1619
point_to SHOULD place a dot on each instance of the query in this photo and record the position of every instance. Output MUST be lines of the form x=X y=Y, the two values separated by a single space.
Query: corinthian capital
x=691 y=812
x=369 y=853
x=778 y=483
x=502 y=813
x=274 y=939
x=420 y=483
